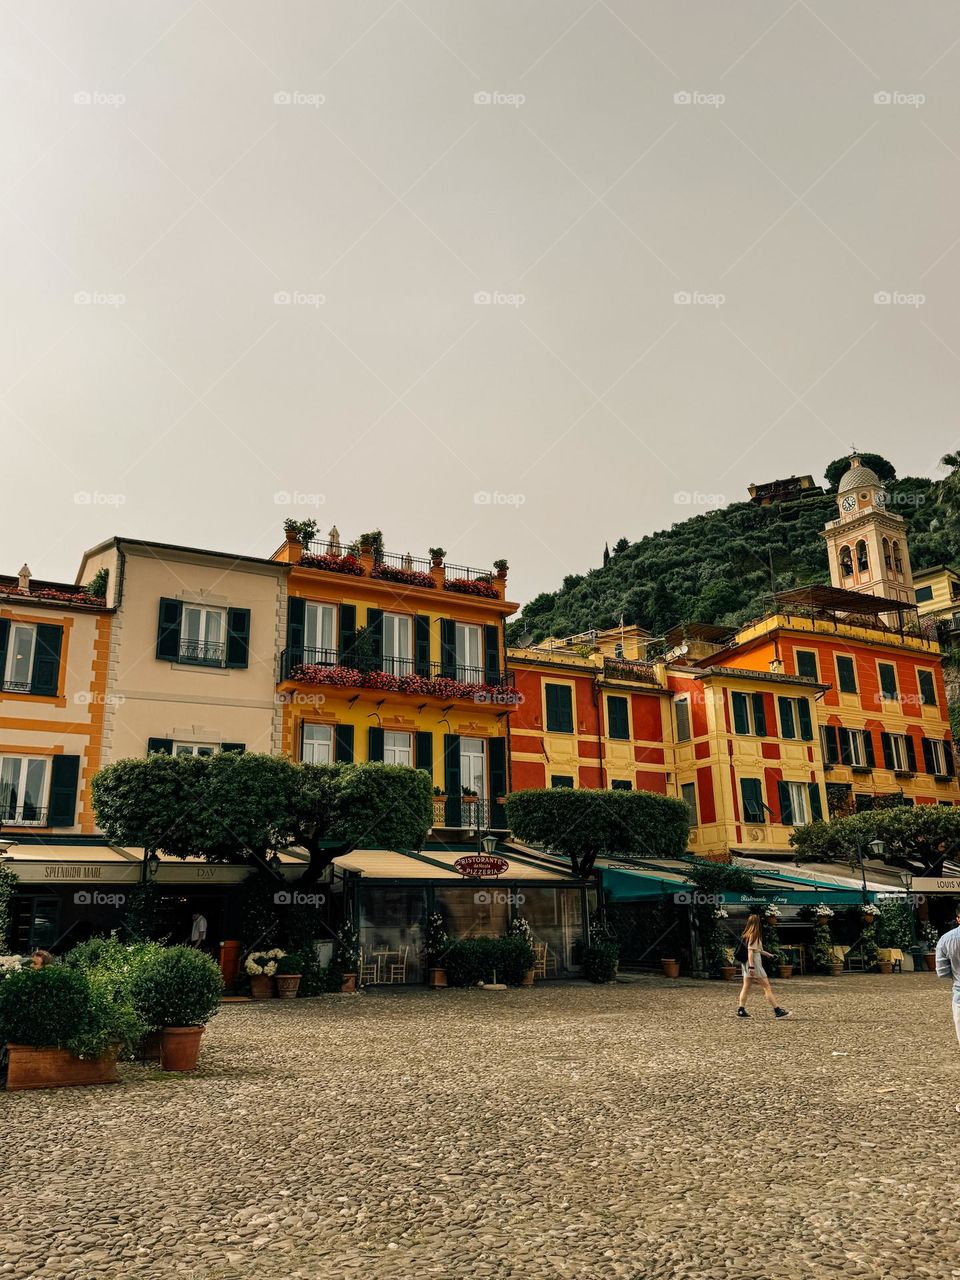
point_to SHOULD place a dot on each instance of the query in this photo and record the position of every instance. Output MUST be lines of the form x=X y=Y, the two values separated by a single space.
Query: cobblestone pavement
x=635 y=1130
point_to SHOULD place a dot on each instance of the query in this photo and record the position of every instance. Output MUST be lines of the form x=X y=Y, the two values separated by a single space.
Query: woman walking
x=753 y=970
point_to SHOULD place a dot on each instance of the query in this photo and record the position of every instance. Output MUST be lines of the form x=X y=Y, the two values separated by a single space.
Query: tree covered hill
x=721 y=567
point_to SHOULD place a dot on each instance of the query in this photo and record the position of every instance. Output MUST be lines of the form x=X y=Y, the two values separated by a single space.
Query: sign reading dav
x=478 y=866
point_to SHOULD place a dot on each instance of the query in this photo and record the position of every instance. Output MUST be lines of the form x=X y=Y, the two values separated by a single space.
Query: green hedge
x=66 y=1008
x=473 y=960
x=586 y=824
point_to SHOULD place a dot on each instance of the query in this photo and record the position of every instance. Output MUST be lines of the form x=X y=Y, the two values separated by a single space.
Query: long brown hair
x=751 y=934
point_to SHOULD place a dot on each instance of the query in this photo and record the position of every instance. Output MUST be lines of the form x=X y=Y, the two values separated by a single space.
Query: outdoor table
x=892 y=954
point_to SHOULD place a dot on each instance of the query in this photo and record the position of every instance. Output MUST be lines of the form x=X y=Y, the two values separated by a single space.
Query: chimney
x=23 y=578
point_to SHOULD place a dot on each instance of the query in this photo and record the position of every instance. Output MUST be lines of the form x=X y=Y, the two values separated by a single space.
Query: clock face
x=849 y=503
x=881 y=498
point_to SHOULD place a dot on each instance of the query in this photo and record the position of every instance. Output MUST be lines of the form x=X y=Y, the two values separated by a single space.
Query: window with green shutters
x=888 y=681
x=788 y=724
x=807 y=663
x=30 y=657
x=618 y=717
x=688 y=793
x=749 y=714
x=751 y=793
x=796 y=720
x=681 y=707
x=559 y=700
x=928 y=688
x=846 y=674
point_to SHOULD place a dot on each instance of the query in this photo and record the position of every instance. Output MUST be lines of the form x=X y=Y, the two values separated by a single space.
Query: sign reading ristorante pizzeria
x=479 y=866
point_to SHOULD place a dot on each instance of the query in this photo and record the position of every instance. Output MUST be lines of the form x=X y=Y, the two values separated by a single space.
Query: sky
x=511 y=278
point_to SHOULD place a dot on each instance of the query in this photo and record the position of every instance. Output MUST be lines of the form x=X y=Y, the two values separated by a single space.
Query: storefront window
x=391 y=930
x=555 y=917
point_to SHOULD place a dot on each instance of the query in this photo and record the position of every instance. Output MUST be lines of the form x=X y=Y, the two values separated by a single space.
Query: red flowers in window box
x=421 y=686
x=334 y=564
x=473 y=587
x=410 y=577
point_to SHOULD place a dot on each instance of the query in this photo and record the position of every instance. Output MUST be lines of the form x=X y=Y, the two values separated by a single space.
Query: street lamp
x=878 y=849
x=489 y=844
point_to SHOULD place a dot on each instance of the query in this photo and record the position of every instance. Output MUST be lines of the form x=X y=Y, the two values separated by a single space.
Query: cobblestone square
x=635 y=1130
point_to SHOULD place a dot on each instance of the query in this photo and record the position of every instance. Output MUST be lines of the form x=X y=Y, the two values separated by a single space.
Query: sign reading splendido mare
x=478 y=866
x=930 y=884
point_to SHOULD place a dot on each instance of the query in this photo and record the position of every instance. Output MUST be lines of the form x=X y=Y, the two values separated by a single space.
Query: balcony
x=627 y=669
x=203 y=653
x=28 y=815
x=397 y=675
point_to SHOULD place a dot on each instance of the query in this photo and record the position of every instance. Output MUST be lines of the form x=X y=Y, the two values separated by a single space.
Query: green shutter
x=451 y=777
x=786 y=808
x=238 y=637
x=346 y=640
x=847 y=675
x=846 y=755
x=929 y=764
x=45 y=678
x=831 y=744
x=168 y=630
x=948 y=757
x=448 y=648
x=497 y=762
x=807 y=664
x=374 y=743
x=618 y=718
x=887 y=750
x=160 y=746
x=343 y=743
x=4 y=641
x=559 y=708
x=787 y=727
x=238 y=747
x=868 y=748
x=375 y=633
x=806 y=722
x=751 y=793
x=888 y=680
x=421 y=644
x=911 y=752
x=741 y=722
x=759 y=715
x=491 y=654
x=64 y=773
x=928 y=694
x=296 y=622
x=423 y=748
x=816 y=804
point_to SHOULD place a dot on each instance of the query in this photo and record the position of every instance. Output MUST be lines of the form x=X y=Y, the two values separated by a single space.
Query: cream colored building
x=937 y=593
x=193 y=649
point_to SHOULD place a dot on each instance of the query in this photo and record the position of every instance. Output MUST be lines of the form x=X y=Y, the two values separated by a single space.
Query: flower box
x=32 y=1068
x=409 y=577
x=333 y=564
x=472 y=587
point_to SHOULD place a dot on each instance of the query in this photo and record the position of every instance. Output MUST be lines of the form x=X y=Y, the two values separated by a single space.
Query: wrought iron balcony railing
x=27 y=815
x=203 y=652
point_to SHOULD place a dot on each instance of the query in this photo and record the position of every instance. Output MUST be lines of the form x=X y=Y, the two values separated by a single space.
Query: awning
x=647 y=881
x=69 y=864
x=438 y=862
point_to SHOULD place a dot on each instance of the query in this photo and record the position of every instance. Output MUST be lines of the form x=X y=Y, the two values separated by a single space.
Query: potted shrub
x=436 y=944
x=348 y=956
x=928 y=933
x=289 y=974
x=469 y=797
x=437 y=557
x=260 y=967
x=822 y=950
x=870 y=913
x=177 y=991
x=63 y=1026
x=519 y=958
x=601 y=957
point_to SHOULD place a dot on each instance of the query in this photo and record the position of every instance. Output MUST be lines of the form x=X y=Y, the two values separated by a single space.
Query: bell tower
x=867 y=545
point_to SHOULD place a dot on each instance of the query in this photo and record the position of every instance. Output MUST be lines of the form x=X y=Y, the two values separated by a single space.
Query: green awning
x=623 y=884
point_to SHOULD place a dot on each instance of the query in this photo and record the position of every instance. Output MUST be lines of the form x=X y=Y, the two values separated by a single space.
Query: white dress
x=757 y=958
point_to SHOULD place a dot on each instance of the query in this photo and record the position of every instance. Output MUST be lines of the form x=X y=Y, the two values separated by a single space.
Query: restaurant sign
x=930 y=884
x=480 y=866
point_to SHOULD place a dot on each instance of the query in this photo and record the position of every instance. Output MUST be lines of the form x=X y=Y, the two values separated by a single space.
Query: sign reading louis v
x=930 y=884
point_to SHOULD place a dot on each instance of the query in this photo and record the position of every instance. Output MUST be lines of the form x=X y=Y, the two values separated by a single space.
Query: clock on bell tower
x=867 y=544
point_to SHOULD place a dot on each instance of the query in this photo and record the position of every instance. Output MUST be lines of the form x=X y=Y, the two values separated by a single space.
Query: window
x=618 y=718
x=856 y=748
x=621 y=784
x=469 y=641
x=681 y=708
x=317 y=744
x=319 y=633
x=923 y=594
x=935 y=756
x=751 y=793
x=688 y=792
x=897 y=558
x=863 y=562
x=397 y=644
x=195 y=748
x=796 y=812
x=928 y=688
x=559 y=699
x=795 y=719
x=807 y=664
x=398 y=748
x=846 y=674
x=203 y=635
x=23 y=790
x=18 y=672
x=886 y=553
x=888 y=681
x=898 y=752
x=749 y=714
x=561 y=780
x=473 y=766
x=846 y=562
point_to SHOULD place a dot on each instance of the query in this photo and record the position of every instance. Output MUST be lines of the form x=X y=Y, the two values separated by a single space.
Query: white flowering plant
x=10 y=964
x=720 y=914
x=822 y=911
x=871 y=909
x=263 y=964
x=772 y=910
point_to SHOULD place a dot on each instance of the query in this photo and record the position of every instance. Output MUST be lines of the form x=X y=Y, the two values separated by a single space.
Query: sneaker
x=782 y=1013
x=742 y=1013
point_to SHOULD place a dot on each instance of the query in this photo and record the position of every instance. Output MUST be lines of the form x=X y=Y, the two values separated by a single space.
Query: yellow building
x=937 y=594
x=401 y=660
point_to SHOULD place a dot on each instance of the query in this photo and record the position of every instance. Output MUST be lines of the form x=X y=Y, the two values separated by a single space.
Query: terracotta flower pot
x=836 y=970
x=261 y=987
x=885 y=966
x=437 y=977
x=671 y=968
x=179 y=1048
x=786 y=971
x=930 y=961
x=528 y=977
x=287 y=985
x=349 y=983
x=728 y=972
x=33 y=1068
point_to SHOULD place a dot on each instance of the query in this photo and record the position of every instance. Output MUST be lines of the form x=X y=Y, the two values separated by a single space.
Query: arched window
x=886 y=553
x=897 y=559
x=863 y=562
x=846 y=562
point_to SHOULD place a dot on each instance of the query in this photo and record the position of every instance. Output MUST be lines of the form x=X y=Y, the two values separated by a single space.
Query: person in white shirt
x=753 y=970
x=948 y=966
x=198 y=930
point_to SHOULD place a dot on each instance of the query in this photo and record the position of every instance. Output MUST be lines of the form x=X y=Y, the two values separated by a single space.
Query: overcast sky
x=174 y=170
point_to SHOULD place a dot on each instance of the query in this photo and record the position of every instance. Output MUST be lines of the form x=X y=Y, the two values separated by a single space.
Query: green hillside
x=721 y=567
